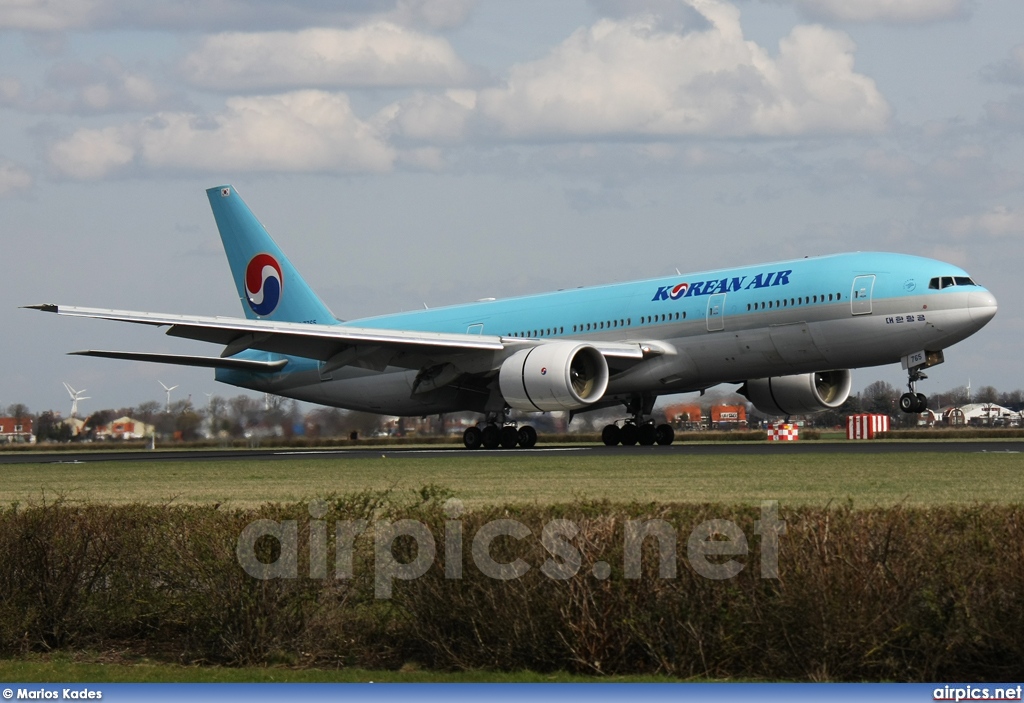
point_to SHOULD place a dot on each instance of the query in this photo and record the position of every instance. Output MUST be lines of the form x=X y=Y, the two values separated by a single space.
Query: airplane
x=788 y=332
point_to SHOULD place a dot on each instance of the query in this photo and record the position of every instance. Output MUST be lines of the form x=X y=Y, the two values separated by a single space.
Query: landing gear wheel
x=922 y=402
x=908 y=403
x=527 y=437
x=610 y=435
x=491 y=437
x=629 y=434
x=472 y=437
x=508 y=437
x=666 y=435
x=648 y=434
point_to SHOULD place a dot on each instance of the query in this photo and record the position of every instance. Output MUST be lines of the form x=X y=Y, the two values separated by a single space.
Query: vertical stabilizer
x=269 y=287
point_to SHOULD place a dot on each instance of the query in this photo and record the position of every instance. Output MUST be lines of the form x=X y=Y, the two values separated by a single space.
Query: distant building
x=727 y=417
x=684 y=417
x=124 y=428
x=16 y=430
x=981 y=415
x=76 y=425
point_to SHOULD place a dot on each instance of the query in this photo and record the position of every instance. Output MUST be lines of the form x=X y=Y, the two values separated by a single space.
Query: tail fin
x=269 y=287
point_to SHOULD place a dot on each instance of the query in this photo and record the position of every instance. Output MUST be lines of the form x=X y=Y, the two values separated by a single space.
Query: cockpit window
x=949 y=281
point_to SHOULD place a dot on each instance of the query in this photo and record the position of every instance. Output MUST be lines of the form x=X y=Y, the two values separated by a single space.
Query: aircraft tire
x=922 y=402
x=490 y=436
x=610 y=435
x=629 y=434
x=527 y=437
x=472 y=437
x=908 y=402
x=666 y=435
x=508 y=437
x=647 y=434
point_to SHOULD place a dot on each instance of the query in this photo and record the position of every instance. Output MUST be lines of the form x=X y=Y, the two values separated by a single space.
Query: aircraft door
x=860 y=295
x=716 y=312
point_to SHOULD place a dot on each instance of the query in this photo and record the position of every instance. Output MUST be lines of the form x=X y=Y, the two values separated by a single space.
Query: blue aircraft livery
x=788 y=334
x=722 y=285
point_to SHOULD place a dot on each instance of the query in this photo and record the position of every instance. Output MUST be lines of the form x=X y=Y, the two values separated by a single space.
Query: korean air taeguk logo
x=263 y=284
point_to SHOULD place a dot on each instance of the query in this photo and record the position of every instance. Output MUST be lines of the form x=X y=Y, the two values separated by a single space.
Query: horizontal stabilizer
x=209 y=362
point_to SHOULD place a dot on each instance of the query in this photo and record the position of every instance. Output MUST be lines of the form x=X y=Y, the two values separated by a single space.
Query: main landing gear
x=914 y=402
x=636 y=430
x=492 y=436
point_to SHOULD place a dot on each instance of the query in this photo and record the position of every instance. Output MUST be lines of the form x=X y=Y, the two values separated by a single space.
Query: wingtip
x=45 y=307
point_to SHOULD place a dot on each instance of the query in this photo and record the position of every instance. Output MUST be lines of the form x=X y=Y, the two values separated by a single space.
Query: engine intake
x=799 y=394
x=556 y=376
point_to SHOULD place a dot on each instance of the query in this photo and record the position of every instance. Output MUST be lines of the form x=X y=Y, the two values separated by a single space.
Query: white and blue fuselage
x=834 y=312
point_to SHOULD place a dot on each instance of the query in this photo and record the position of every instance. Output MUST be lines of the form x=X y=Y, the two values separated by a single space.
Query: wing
x=335 y=345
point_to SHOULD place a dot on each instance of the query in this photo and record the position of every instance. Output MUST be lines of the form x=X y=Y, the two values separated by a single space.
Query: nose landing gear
x=914 y=402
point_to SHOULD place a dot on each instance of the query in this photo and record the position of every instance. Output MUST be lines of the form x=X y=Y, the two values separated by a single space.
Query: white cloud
x=632 y=77
x=999 y=221
x=426 y=117
x=213 y=15
x=13 y=178
x=104 y=86
x=306 y=131
x=93 y=153
x=379 y=54
x=887 y=11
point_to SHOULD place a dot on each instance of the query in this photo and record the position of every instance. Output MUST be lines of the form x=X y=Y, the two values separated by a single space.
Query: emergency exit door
x=716 y=312
x=860 y=296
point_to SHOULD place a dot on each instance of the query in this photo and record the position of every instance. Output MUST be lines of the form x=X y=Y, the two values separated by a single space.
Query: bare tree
x=986 y=394
x=880 y=397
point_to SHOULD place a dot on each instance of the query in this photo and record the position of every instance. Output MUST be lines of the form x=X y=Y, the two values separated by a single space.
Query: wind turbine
x=75 y=397
x=167 y=408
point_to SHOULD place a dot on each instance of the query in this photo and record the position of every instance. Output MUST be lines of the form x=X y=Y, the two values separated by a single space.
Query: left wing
x=336 y=345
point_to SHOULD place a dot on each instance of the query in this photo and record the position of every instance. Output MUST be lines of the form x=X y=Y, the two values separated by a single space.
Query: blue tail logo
x=264 y=284
x=259 y=267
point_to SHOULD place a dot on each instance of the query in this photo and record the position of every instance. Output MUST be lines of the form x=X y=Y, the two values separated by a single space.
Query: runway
x=581 y=451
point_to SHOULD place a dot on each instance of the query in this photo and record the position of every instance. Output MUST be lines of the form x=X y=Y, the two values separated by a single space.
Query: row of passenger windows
x=669 y=317
x=600 y=325
x=950 y=281
x=785 y=303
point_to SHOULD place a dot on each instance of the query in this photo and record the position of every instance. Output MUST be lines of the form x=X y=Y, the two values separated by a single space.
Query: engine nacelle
x=556 y=376
x=800 y=394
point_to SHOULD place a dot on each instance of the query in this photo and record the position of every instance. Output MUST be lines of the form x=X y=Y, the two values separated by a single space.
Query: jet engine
x=556 y=376
x=799 y=394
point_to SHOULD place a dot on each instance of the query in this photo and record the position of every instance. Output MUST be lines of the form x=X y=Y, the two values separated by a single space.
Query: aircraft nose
x=982 y=306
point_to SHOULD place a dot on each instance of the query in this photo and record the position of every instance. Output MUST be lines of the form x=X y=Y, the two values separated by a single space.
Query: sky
x=411 y=152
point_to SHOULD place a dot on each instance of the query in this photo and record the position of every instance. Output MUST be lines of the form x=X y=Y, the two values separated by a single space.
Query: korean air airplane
x=788 y=332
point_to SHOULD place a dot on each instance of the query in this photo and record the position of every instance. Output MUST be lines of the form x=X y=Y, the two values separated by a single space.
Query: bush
x=906 y=594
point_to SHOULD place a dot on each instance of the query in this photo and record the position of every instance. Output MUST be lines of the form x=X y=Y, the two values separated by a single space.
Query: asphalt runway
x=678 y=449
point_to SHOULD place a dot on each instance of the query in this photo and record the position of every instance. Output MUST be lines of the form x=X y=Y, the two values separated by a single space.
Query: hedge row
x=900 y=594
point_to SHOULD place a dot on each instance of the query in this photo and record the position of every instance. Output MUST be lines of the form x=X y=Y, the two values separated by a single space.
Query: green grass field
x=479 y=479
